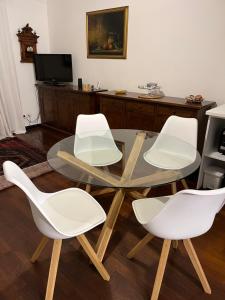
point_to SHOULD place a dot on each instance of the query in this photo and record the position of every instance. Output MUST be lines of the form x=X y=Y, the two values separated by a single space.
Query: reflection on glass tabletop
x=124 y=158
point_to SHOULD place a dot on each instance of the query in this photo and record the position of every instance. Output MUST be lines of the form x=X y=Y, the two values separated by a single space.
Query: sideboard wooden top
x=67 y=87
x=165 y=100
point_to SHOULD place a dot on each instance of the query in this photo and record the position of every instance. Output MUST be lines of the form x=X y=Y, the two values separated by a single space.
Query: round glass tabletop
x=123 y=158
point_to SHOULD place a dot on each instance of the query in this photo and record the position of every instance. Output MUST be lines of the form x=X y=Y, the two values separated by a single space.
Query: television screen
x=53 y=67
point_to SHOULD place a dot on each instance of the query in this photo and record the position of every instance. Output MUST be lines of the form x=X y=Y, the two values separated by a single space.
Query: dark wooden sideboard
x=129 y=111
x=60 y=106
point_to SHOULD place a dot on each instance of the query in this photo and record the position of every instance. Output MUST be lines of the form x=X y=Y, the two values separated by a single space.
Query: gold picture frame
x=107 y=33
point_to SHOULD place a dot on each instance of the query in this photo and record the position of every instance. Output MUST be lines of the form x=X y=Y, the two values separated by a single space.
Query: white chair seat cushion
x=73 y=211
x=146 y=209
x=167 y=160
x=101 y=157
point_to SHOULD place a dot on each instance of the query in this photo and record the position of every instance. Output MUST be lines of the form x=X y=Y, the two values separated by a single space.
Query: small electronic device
x=80 y=84
x=221 y=147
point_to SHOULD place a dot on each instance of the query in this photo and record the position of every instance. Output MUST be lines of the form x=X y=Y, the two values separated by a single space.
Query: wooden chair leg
x=88 y=185
x=175 y=244
x=161 y=269
x=197 y=265
x=139 y=195
x=53 y=269
x=146 y=191
x=39 y=249
x=174 y=187
x=147 y=238
x=106 y=169
x=93 y=256
x=135 y=195
x=184 y=183
x=78 y=183
x=88 y=188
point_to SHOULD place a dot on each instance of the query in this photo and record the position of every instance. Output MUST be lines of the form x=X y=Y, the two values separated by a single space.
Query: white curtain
x=11 y=116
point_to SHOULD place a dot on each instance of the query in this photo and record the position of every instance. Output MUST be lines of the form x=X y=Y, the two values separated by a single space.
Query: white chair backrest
x=182 y=128
x=93 y=134
x=188 y=213
x=178 y=138
x=86 y=124
x=15 y=174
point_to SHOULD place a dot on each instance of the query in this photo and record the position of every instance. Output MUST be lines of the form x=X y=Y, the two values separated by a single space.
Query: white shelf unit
x=216 y=155
x=210 y=154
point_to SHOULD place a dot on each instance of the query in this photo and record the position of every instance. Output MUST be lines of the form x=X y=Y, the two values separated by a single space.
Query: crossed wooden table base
x=120 y=186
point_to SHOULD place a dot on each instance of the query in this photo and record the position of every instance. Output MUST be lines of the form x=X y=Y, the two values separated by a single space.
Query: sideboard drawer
x=164 y=110
x=140 y=116
x=185 y=113
x=114 y=111
x=141 y=107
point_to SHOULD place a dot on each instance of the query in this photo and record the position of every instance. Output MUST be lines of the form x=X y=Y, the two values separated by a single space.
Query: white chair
x=182 y=216
x=169 y=150
x=65 y=214
x=94 y=143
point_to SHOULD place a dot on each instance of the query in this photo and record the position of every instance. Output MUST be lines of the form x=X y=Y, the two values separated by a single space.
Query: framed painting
x=107 y=33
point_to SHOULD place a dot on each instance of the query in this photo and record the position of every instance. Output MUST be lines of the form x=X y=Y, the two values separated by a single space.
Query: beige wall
x=20 y=13
x=178 y=43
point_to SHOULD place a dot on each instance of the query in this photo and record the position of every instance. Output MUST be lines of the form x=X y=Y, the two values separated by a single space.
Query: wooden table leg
x=103 y=191
x=109 y=224
x=114 y=210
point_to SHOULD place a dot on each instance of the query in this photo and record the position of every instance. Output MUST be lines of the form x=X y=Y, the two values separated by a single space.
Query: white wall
x=20 y=13
x=178 y=43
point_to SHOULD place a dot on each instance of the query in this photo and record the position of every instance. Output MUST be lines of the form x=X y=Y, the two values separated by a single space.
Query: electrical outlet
x=27 y=116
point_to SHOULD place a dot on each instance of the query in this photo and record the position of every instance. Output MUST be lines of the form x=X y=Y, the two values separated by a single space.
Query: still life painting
x=107 y=33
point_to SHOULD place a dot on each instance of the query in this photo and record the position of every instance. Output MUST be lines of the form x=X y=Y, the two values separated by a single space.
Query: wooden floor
x=130 y=280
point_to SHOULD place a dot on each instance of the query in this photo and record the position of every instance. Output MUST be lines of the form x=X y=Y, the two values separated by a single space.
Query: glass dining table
x=122 y=161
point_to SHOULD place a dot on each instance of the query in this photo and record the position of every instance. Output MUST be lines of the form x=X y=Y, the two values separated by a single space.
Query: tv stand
x=60 y=105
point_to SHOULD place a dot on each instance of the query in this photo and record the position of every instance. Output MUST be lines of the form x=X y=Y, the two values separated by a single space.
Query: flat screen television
x=53 y=68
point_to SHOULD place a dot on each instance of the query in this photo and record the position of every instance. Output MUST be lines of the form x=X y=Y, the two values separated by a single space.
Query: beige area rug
x=32 y=172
